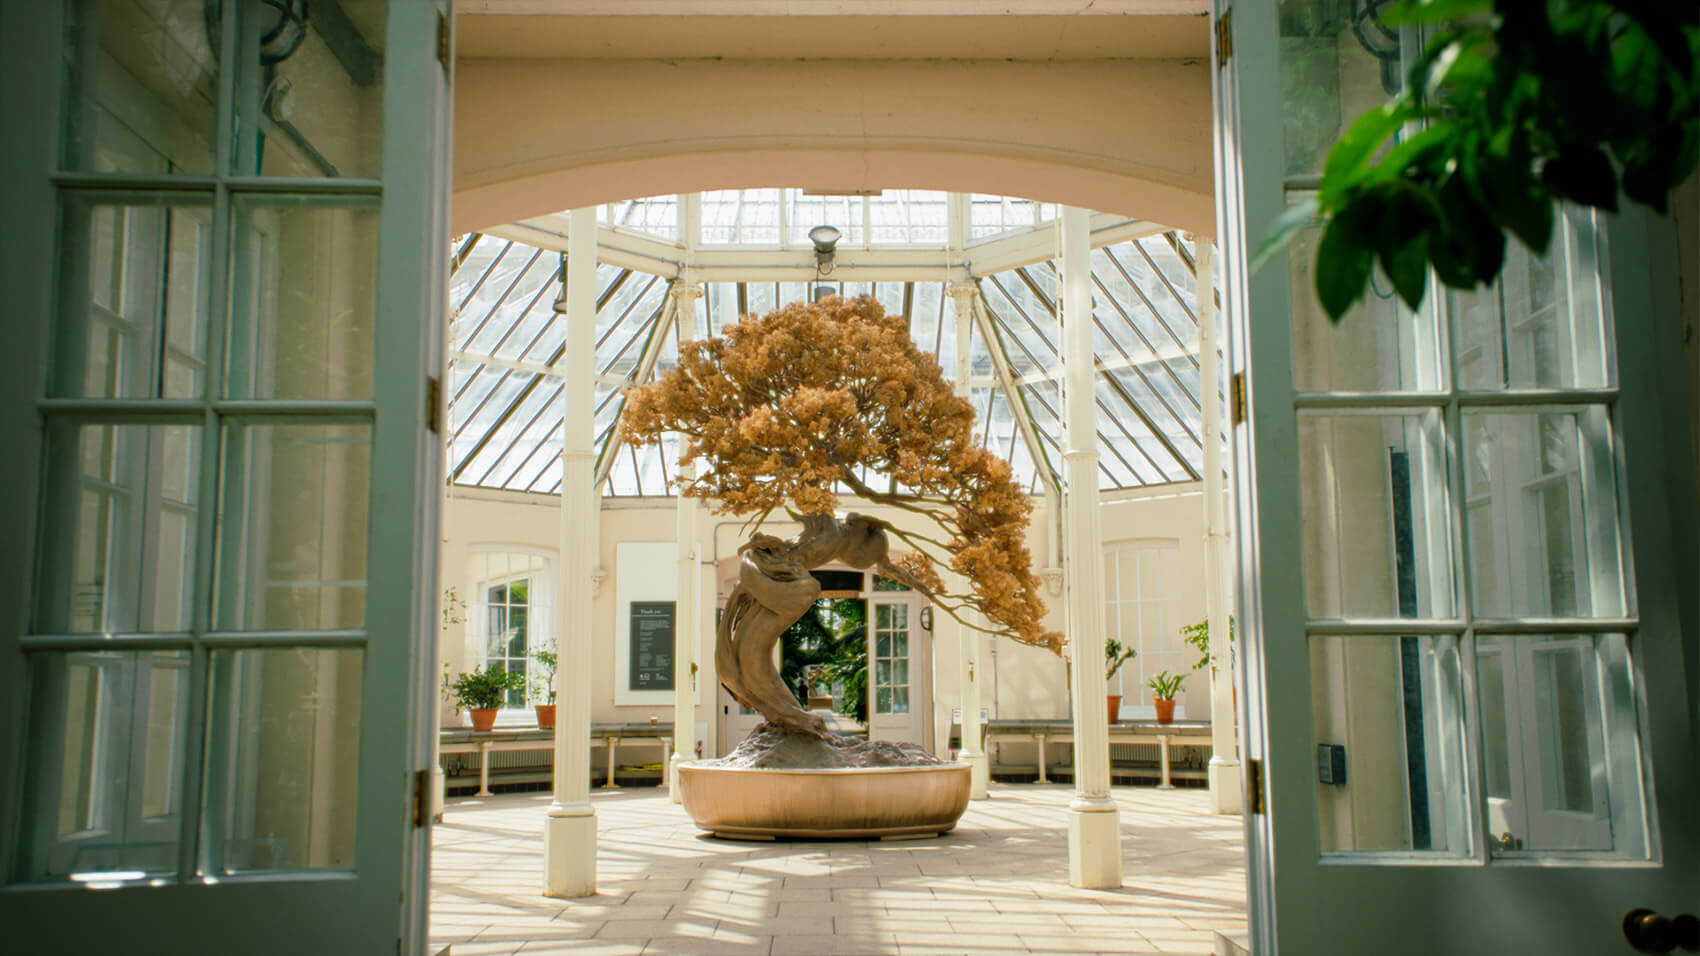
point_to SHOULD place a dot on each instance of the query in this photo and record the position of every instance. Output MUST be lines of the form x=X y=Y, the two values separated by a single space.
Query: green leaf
x=1413 y=148
x=1407 y=266
x=1343 y=264
x=1346 y=161
x=1582 y=173
x=1433 y=11
x=1282 y=230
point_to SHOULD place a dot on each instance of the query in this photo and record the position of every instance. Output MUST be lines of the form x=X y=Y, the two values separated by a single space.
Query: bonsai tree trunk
x=774 y=589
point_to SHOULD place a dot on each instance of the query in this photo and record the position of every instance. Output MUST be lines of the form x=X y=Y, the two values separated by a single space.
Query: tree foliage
x=1516 y=106
x=787 y=408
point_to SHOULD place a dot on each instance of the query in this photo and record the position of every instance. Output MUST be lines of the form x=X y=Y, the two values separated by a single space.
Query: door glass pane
x=104 y=776
x=1542 y=325
x=1337 y=60
x=1379 y=346
x=1566 y=718
x=1393 y=705
x=1541 y=517
x=1373 y=490
x=294 y=504
x=309 y=88
x=141 y=84
x=282 y=759
x=302 y=299
x=123 y=502
x=133 y=297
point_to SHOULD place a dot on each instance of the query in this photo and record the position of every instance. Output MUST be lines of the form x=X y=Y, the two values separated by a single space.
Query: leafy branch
x=1512 y=108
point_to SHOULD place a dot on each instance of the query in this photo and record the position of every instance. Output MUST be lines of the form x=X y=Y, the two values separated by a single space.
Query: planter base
x=843 y=803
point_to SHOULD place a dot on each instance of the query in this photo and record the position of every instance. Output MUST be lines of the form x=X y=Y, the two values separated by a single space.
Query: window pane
x=104 y=777
x=1373 y=491
x=302 y=298
x=282 y=760
x=1542 y=325
x=133 y=297
x=294 y=504
x=309 y=88
x=123 y=500
x=141 y=87
x=1331 y=73
x=1542 y=515
x=1563 y=708
x=1393 y=704
x=1379 y=346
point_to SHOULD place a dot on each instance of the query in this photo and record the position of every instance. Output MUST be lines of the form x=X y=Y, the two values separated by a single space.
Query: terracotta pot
x=1165 y=710
x=1115 y=701
x=545 y=716
x=483 y=718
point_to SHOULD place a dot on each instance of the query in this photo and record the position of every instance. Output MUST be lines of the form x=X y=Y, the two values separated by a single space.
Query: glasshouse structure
x=355 y=606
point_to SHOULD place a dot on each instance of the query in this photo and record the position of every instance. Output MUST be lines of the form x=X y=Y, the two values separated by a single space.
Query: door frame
x=1308 y=905
x=384 y=899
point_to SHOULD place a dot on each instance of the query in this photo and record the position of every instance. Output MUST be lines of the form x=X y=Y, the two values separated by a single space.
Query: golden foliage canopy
x=784 y=408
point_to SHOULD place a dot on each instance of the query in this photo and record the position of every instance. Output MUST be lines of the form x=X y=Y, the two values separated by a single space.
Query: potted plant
x=545 y=688
x=1198 y=635
x=1115 y=655
x=1164 y=686
x=481 y=691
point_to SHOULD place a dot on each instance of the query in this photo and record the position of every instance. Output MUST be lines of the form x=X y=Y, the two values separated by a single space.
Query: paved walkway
x=998 y=884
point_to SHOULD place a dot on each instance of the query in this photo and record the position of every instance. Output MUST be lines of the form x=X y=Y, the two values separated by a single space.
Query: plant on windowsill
x=1164 y=686
x=481 y=691
x=1198 y=635
x=545 y=687
x=1115 y=655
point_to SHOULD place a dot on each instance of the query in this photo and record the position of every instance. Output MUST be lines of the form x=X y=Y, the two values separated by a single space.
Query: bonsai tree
x=1164 y=685
x=484 y=688
x=1115 y=655
x=789 y=410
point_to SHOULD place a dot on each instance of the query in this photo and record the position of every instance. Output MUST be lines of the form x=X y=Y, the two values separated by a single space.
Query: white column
x=968 y=670
x=569 y=828
x=1094 y=825
x=1224 y=759
x=687 y=610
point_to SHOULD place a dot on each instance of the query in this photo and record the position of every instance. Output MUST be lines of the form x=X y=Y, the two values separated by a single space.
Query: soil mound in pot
x=767 y=747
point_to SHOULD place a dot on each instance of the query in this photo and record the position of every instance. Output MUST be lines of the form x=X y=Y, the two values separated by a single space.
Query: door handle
x=1651 y=932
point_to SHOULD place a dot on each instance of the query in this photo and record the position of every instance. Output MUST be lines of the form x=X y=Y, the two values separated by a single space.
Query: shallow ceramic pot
x=853 y=802
x=483 y=718
x=1165 y=710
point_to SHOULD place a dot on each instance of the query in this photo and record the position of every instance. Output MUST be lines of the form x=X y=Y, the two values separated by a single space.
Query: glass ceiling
x=504 y=386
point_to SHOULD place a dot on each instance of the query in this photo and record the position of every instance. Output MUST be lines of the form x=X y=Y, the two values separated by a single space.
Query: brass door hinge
x=421 y=797
x=433 y=403
x=1224 y=38
x=1254 y=785
x=443 y=40
x=1236 y=398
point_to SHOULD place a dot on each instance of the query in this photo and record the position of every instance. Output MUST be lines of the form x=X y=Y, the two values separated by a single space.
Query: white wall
x=1018 y=681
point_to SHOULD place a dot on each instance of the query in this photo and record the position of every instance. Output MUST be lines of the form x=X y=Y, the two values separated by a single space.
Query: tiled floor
x=998 y=884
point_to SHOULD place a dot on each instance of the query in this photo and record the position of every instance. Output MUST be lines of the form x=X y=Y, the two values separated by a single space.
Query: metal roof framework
x=749 y=252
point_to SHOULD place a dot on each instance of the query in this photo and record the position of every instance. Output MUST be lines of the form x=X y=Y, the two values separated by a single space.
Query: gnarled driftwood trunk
x=774 y=589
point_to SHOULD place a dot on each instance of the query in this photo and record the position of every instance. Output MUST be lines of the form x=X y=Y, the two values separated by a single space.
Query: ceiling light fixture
x=825 y=239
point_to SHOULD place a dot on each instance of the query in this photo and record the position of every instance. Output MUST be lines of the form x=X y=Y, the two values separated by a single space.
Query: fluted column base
x=569 y=851
x=1094 y=844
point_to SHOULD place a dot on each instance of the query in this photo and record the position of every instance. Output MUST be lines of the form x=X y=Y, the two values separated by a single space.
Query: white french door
x=1461 y=541
x=896 y=708
x=220 y=499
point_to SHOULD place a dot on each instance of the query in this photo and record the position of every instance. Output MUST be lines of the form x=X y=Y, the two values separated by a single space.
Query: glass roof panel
x=656 y=215
x=990 y=215
x=504 y=396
